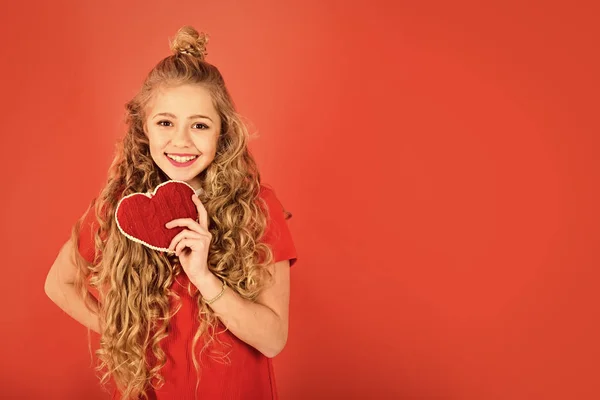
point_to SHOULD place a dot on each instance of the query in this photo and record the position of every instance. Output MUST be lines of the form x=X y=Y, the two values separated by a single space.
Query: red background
x=440 y=160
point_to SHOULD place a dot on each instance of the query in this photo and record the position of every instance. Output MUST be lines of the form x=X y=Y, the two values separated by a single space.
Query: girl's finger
x=188 y=223
x=180 y=246
x=192 y=244
x=185 y=234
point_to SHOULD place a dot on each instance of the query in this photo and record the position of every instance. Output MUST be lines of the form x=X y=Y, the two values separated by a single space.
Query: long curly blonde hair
x=135 y=282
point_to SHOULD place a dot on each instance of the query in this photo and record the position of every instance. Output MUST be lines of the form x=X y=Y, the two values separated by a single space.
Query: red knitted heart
x=141 y=217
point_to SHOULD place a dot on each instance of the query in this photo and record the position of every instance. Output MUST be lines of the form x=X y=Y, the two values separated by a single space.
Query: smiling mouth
x=181 y=160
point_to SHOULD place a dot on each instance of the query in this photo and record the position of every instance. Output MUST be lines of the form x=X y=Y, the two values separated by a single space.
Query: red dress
x=249 y=374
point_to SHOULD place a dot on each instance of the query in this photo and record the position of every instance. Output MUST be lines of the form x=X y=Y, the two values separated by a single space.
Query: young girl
x=205 y=321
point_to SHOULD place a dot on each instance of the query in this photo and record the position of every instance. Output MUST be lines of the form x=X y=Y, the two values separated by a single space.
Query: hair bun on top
x=189 y=41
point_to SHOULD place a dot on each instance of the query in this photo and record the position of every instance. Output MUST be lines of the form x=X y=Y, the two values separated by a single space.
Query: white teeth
x=181 y=159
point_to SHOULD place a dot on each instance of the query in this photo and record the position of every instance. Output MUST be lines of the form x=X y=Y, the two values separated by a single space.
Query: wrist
x=197 y=279
x=208 y=284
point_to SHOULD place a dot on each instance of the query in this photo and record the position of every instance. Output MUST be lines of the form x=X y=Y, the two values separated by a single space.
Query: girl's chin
x=187 y=175
x=193 y=180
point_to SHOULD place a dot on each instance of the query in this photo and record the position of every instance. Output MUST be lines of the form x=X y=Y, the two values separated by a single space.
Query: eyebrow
x=166 y=114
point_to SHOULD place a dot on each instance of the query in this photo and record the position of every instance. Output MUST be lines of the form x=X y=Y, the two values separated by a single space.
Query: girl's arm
x=59 y=287
x=262 y=324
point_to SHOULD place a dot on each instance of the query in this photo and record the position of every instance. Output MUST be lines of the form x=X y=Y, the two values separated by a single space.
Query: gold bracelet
x=217 y=297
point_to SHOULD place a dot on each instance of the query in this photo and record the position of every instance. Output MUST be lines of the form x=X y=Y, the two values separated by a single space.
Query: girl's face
x=183 y=128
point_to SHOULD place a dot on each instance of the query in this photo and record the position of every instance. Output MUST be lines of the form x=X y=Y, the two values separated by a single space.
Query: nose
x=181 y=136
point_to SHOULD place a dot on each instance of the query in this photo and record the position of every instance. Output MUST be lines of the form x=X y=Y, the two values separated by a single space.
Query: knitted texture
x=141 y=217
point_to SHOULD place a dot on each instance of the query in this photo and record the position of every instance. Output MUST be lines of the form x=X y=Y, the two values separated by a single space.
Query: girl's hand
x=192 y=244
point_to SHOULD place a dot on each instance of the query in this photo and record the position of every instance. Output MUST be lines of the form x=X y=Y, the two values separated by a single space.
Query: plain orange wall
x=440 y=160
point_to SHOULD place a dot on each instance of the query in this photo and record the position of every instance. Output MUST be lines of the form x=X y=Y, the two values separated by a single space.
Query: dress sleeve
x=86 y=236
x=86 y=247
x=277 y=234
